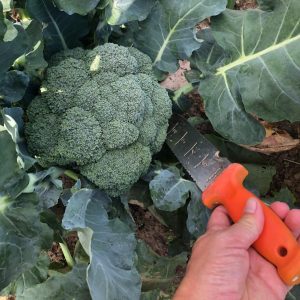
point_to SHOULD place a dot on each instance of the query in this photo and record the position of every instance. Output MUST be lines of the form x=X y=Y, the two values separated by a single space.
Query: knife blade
x=222 y=183
x=197 y=155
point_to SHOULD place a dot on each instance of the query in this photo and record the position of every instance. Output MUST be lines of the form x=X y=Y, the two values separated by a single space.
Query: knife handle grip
x=276 y=242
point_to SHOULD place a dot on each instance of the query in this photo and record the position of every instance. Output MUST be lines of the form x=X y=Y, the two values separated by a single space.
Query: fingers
x=219 y=219
x=291 y=217
x=292 y=220
x=280 y=208
x=246 y=231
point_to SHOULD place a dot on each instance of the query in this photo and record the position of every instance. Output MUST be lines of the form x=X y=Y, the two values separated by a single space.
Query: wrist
x=191 y=290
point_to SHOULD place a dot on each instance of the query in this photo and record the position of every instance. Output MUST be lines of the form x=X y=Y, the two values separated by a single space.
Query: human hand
x=224 y=266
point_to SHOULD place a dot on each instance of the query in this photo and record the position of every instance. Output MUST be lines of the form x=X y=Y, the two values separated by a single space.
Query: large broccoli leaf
x=61 y=31
x=13 y=43
x=13 y=86
x=69 y=286
x=123 y=11
x=21 y=46
x=158 y=271
x=30 y=278
x=168 y=33
x=261 y=76
x=14 y=124
x=77 y=6
x=33 y=61
x=22 y=234
x=109 y=243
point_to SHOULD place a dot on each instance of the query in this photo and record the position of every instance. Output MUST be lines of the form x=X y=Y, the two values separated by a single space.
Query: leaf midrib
x=60 y=35
x=244 y=59
x=171 y=32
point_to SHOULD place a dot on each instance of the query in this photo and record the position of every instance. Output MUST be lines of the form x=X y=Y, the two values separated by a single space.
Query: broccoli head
x=102 y=111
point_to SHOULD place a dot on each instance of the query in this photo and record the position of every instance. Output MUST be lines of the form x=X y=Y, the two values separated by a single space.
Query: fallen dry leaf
x=276 y=141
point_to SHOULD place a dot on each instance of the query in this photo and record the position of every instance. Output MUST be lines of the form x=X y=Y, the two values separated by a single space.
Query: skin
x=224 y=266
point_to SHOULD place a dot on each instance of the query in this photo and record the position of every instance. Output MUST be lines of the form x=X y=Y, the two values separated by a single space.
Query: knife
x=222 y=183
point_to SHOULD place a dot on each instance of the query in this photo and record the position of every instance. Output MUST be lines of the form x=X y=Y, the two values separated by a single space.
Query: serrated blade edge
x=198 y=156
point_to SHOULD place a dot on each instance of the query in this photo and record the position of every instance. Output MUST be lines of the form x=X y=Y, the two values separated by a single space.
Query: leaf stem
x=66 y=252
x=71 y=175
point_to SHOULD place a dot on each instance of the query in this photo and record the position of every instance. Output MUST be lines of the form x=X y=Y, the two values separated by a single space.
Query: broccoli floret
x=118 y=169
x=100 y=110
x=38 y=106
x=118 y=134
x=143 y=60
x=80 y=130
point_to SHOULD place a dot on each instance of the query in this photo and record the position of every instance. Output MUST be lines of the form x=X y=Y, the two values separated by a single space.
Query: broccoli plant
x=101 y=110
x=96 y=108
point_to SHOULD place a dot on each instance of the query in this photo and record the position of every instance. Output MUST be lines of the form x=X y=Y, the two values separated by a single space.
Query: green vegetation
x=82 y=115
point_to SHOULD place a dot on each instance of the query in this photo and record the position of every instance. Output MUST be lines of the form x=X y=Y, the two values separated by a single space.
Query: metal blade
x=197 y=155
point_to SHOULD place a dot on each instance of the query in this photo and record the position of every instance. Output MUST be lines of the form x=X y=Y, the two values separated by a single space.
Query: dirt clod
x=55 y=254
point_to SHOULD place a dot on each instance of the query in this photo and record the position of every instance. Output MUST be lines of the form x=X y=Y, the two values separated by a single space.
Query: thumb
x=247 y=230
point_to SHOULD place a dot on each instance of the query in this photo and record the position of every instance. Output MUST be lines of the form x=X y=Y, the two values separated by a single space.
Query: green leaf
x=209 y=56
x=77 y=6
x=33 y=60
x=260 y=177
x=30 y=278
x=295 y=293
x=267 y=4
x=7 y=5
x=61 y=31
x=168 y=33
x=198 y=216
x=141 y=193
x=69 y=286
x=234 y=152
x=157 y=271
x=260 y=76
x=123 y=11
x=12 y=179
x=14 y=45
x=13 y=122
x=47 y=185
x=109 y=243
x=13 y=86
x=284 y=195
x=169 y=191
x=151 y=295
x=230 y=4
x=22 y=234
x=8 y=158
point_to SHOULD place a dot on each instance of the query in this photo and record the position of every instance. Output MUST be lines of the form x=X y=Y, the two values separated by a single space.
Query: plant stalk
x=66 y=252
x=71 y=175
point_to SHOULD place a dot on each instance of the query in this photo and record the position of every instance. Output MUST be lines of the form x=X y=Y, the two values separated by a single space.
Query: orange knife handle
x=276 y=242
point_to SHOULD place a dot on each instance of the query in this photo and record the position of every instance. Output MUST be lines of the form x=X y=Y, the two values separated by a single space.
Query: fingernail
x=251 y=206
